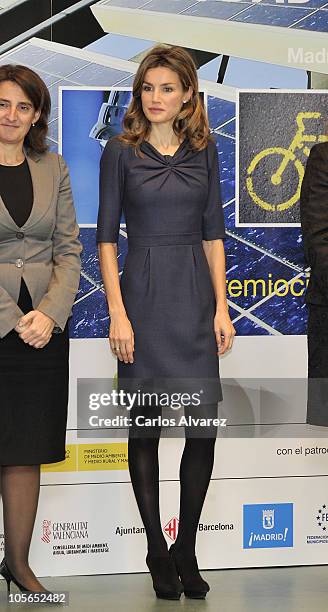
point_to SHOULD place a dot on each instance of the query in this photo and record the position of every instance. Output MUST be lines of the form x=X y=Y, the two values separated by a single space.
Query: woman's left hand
x=224 y=331
x=35 y=328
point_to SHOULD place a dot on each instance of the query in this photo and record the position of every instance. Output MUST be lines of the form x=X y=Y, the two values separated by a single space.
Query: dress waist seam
x=165 y=239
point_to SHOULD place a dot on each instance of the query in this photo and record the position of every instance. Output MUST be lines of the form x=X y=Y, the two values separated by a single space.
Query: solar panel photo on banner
x=256 y=256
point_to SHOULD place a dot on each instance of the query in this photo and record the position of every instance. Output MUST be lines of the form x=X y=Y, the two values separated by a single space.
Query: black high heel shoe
x=187 y=567
x=166 y=581
x=9 y=577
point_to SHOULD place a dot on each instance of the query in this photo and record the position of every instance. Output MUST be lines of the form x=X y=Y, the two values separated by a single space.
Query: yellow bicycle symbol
x=288 y=155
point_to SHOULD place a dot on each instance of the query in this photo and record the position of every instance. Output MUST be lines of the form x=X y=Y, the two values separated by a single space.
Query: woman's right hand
x=121 y=337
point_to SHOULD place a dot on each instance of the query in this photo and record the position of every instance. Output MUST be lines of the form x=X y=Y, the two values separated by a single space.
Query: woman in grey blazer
x=39 y=278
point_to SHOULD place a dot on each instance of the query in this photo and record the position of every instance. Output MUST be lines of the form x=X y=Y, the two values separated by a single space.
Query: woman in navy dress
x=169 y=315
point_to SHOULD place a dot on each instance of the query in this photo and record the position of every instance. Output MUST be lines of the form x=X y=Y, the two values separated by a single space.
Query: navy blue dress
x=170 y=204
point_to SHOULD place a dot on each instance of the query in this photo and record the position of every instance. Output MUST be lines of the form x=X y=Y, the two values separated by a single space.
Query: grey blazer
x=45 y=251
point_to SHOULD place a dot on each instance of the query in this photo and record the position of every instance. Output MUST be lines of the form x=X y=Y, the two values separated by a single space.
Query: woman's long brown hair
x=191 y=122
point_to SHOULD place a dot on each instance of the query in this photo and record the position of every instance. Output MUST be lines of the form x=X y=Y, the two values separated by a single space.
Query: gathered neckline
x=163 y=154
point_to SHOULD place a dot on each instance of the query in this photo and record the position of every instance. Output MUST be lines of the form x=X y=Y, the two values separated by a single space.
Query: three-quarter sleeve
x=111 y=186
x=213 y=219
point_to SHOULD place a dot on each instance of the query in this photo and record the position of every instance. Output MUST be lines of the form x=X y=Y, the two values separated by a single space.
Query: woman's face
x=162 y=95
x=17 y=113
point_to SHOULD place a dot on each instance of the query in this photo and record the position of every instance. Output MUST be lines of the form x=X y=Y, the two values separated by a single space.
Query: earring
x=184 y=101
x=33 y=124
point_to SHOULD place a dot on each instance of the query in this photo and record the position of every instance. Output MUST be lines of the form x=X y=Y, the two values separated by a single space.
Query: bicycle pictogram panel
x=276 y=133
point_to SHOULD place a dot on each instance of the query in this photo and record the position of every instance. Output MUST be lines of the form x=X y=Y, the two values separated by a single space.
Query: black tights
x=195 y=473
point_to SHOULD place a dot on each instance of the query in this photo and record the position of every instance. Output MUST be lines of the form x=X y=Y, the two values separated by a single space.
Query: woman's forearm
x=109 y=270
x=215 y=256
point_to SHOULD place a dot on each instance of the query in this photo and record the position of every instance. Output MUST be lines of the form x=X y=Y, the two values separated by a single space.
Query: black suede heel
x=166 y=581
x=187 y=567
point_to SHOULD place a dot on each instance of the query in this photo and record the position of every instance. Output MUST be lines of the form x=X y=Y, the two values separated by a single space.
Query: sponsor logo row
x=264 y=526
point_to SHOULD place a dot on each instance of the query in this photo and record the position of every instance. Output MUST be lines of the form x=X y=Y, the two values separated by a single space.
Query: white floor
x=292 y=589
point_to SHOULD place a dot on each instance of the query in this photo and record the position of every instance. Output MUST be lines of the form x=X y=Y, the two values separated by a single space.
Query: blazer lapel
x=6 y=219
x=42 y=181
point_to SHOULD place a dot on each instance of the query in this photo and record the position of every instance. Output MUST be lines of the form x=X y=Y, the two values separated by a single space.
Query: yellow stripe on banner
x=88 y=457
x=68 y=465
x=111 y=456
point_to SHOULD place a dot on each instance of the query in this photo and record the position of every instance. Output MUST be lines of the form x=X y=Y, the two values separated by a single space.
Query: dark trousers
x=317 y=409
